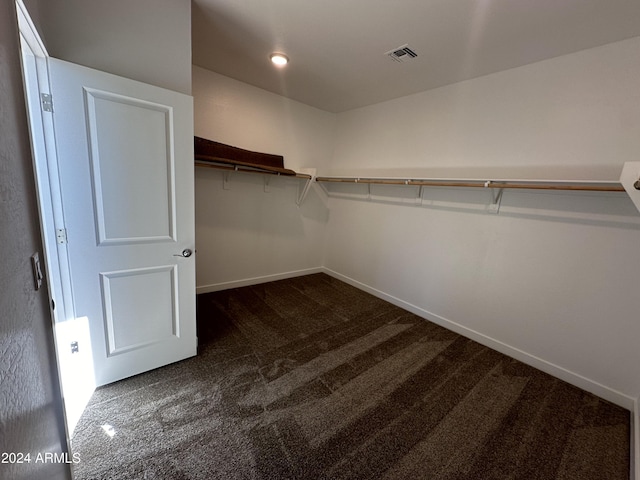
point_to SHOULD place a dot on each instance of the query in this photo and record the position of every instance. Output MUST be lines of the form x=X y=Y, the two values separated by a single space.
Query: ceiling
x=338 y=47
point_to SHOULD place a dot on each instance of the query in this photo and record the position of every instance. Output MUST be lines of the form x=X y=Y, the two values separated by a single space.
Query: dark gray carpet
x=310 y=378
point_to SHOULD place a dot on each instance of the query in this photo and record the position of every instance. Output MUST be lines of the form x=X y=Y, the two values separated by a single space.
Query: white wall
x=553 y=278
x=244 y=232
x=145 y=40
x=575 y=116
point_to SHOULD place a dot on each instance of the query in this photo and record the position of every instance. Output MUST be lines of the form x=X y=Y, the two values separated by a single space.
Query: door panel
x=125 y=151
x=145 y=128
x=135 y=320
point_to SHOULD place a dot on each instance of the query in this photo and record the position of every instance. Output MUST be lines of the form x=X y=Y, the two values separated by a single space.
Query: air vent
x=402 y=54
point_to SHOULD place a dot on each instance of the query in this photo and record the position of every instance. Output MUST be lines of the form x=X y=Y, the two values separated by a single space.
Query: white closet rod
x=594 y=186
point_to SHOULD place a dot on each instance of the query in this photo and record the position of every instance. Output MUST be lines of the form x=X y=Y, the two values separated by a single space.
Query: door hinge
x=61 y=236
x=46 y=99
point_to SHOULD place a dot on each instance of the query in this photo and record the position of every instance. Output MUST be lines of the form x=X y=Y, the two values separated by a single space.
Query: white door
x=125 y=153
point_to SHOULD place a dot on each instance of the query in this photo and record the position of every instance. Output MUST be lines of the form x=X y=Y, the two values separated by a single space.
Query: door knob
x=185 y=253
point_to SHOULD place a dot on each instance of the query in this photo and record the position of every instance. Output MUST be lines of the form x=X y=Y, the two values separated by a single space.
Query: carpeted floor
x=310 y=378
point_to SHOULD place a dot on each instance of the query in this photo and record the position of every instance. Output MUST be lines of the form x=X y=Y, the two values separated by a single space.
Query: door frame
x=64 y=325
x=45 y=165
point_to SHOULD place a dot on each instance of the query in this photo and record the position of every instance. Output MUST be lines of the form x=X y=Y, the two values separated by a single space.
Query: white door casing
x=125 y=153
x=75 y=369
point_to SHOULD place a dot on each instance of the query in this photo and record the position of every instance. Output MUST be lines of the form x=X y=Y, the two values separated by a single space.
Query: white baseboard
x=216 y=287
x=579 y=381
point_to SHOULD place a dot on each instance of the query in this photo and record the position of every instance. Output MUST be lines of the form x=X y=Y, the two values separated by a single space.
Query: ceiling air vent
x=402 y=54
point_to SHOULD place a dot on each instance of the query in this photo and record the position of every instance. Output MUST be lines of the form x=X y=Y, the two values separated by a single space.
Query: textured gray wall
x=30 y=406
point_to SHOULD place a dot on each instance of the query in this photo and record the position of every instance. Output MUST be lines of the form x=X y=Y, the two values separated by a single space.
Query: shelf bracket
x=630 y=180
x=225 y=179
x=419 y=196
x=496 y=197
x=302 y=192
x=267 y=183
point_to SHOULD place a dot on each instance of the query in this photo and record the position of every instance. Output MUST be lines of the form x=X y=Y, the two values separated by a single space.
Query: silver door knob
x=185 y=253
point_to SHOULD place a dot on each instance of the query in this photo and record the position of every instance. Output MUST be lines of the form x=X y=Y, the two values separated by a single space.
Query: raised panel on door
x=140 y=308
x=133 y=187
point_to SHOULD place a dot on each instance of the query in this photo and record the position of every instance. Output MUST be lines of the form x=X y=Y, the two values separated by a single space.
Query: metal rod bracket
x=225 y=180
x=306 y=186
x=303 y=191
x=419 y=196
x=496 y=197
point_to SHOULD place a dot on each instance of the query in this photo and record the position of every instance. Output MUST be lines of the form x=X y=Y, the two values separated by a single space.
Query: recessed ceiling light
x=279 y=59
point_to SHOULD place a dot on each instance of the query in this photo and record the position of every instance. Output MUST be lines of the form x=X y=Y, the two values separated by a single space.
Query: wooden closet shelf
x=232 y=167
x=229 y=168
